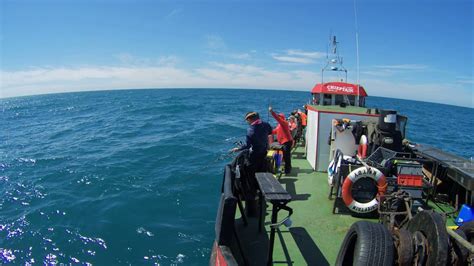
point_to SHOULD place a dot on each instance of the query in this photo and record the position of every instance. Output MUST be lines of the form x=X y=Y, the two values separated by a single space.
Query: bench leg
x=261 y=217
x=272 y=235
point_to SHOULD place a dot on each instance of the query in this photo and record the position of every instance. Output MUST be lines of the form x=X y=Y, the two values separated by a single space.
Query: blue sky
x=420 y=50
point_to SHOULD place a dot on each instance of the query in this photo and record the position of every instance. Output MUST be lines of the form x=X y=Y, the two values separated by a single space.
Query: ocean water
x=133 y=177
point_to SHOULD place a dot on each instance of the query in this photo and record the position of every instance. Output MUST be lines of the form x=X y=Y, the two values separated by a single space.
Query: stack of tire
x=423 y=241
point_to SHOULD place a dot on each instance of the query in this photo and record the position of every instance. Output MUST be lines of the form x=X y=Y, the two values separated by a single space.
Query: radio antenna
x=357 y=52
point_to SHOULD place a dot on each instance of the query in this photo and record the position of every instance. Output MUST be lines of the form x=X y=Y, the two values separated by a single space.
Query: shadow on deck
x=291 y=188
x=255 y=245
x=310 y=251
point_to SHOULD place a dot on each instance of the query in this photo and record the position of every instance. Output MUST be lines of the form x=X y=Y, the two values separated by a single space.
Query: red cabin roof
x=338 y=88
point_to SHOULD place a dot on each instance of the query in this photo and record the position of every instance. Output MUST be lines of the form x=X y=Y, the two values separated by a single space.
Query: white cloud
x=215 y=42
x=128 y=59
x=214 y=75
x=404 y=67
x=465 y=80
x=173 y=13
x=240 y=56
x=315 y=55
x=237 y=67
x=448 y=93
x=216 y=46
x=378 y=73
x=391 y=70
x=132 y=60
x=298 y=56
x=169 y=60
x=292 y=59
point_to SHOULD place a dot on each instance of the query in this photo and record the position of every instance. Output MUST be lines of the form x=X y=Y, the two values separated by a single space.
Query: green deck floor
x=316 y=233
x=312 y=218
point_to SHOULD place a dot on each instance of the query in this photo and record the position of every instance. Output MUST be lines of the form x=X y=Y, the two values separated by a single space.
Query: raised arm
x=280 y=120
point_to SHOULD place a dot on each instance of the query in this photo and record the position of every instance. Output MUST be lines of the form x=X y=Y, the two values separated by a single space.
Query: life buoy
x=362 y=149
x=355 y=175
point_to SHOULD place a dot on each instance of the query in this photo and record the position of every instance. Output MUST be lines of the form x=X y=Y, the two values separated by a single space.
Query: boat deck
x=316 y=233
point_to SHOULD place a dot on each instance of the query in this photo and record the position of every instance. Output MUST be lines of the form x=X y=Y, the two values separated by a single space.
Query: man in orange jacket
x=304 y=118
x=284 y=137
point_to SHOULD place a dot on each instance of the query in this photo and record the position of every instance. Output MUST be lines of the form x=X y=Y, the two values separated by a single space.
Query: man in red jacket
x=284 y=138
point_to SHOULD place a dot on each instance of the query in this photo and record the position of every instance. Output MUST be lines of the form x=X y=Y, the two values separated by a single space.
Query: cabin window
x=316 y=98
x=352 y=99
x=347 y=99
x=327 y=99
x=342 y=99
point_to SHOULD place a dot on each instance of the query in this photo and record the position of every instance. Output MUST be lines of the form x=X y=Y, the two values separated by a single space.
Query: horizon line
x=213 y=88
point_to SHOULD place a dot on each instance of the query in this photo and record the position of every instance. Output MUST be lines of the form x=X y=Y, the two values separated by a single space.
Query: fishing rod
x=268 y=111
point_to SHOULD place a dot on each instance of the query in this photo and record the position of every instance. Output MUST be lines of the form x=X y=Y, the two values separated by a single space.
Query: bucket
x=278 y=156
x=465 y=215
x=387 y=120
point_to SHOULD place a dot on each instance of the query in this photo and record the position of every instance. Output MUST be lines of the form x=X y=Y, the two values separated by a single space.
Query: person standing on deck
x=293 y=125
x=284 y=138
x=304 y=122
x=257 y=141
x=257 y=144
x=304 y=118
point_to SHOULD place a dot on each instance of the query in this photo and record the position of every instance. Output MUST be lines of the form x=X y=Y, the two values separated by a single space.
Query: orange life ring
x=362 y=149
x=355 y=175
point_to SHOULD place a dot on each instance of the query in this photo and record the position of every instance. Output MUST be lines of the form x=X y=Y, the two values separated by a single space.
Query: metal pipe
x=408 y=207
x=460 y=240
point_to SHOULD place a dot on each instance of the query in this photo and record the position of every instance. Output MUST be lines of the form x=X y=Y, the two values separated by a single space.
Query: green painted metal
x=316 y=233
x=313 y=220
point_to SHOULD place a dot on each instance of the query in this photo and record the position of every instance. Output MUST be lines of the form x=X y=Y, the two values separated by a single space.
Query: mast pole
x=357 y=54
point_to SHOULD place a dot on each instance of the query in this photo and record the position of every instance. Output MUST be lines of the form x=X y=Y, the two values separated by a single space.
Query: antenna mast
x=357 y=53
x=334 y=61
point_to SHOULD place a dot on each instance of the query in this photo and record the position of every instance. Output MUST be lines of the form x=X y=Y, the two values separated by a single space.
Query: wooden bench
x=272 y=191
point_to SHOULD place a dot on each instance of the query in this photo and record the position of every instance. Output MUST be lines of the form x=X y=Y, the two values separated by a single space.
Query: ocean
x=133 y=176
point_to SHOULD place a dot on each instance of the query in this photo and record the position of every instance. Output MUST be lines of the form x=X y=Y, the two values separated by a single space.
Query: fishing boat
x=360 y=193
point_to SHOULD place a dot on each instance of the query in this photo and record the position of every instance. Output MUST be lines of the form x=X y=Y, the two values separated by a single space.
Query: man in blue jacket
x=256 y=141
x=257 y=144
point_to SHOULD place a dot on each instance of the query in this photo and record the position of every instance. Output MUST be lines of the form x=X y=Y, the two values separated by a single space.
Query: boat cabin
x=338 y=93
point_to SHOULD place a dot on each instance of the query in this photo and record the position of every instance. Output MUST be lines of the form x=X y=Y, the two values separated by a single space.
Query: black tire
x=432 y=226
x=403 y=247
x=366 y=243
x=468 y=229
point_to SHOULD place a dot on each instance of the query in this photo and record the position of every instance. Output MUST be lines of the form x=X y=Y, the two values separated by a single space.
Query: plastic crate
x=409 y=168
x=409 y=173
x=410 y=180
x=381 y=156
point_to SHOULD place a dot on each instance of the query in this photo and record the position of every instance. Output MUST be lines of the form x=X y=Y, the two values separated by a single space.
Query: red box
x=410 y=180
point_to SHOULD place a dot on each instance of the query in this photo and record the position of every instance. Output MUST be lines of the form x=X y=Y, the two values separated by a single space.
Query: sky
x=408 y=49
